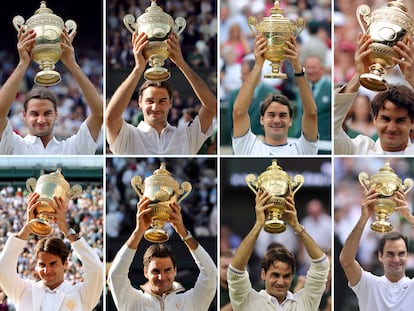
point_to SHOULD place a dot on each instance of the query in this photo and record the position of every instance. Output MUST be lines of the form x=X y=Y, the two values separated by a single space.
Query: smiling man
x=161 y=292
x=277 y=268
x=393 y=290
x=154 y=135
x=52 y=291
x=40 y=112
x=392 y=110
x=276 y=112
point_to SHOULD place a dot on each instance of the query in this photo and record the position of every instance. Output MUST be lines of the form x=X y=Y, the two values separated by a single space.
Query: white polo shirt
x=144 y=139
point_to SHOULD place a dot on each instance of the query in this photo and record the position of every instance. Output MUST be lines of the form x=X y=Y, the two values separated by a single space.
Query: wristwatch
x=71 y=231
x=301 y=73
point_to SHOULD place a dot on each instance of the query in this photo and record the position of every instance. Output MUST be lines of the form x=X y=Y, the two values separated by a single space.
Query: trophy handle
x=71 y=27
x=18 y=22
x=74 y=192
x=136 y=183
x=130 y=23
x=408 y=184
x=180 y=22
x=31 y=184
x=251 y=182
x=184 y=191
x=363 y=10
x=297 y=183
x=252 y=23
x=300 y=23
x=363 y=180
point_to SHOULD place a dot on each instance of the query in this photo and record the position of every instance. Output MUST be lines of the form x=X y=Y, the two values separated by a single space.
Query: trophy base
x=373 y=82
x=47 y=78
x=381 y=226
x=155 y=235
x=40 y=227
x=158 y=74
x=273 y=75
x=274 y=226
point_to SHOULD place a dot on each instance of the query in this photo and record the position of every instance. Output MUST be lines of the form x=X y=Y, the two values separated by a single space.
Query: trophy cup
x=47 y=50
x=157 y=25
x=386 y=26
x=162 y=190
x=277 y=29
x=49 y=186
x=385 y=182
x=280 y=185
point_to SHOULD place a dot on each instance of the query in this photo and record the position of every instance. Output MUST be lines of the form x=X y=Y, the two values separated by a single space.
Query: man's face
x=51 y=269
x=393 y=126
x=160 y=274
x=155 y=104
x=278 y=280
x=40 y=117
x=314 y=69
x=276 y=122
x=394 y=259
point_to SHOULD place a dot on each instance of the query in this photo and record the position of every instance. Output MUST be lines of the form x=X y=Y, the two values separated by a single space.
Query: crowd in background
x=85 y=215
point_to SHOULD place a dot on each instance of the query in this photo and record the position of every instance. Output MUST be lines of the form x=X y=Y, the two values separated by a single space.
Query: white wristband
x=187 y=237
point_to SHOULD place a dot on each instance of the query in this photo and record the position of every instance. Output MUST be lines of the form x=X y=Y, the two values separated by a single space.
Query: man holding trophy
x=52 y=292
x=278 y=267
x=392 y=108
x=160 y=269
x=154 y=135
x=40 y=108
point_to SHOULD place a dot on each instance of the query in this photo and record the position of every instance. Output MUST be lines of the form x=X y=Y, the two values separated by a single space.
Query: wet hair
x=391 y=236
x=40 y=93
x=159 y=251
x=161 y=85
x=400 y=95
x=53 y=246
x=279 y=98
x=278 y=254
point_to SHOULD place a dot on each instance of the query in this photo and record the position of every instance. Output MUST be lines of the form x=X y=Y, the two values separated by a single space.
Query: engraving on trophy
x=280 y=185
x=49 y=186
x=162 y=190
x=385 y=182
x=157 y=25
x=47 y=50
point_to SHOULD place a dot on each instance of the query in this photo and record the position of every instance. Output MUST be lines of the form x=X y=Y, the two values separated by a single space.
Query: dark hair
x=279 y=98
x=53 y=246
x=278 y=254
x=40 y=93
x=160 y=251
x=393 y=236
x=161 y=85
x=400 y=95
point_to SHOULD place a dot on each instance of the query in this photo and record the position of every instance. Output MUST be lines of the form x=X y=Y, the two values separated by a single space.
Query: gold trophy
x=386 y=26
x=157 y=25
x=47 y=50
x=280 y=185
x=385 y=182
x=49 y=186
x=162 y=190
x=277 y=29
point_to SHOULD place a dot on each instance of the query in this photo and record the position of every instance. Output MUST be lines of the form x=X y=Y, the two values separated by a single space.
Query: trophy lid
x=276 y=14
x=161 y=177
x=43 y=9
x=386 y=174
x=275 y=170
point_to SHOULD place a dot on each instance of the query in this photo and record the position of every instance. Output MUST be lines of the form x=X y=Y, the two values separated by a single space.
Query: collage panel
x=373 y=233
x=161 y=77
x=51 y=233
x=264 y=255
x=170 y=245
x=52 y=78
x=275 y=77
x=373 y=77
